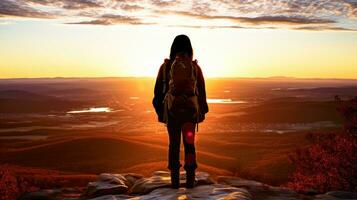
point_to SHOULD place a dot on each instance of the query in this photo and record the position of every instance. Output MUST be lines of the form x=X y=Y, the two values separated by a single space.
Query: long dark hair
x=181 y=44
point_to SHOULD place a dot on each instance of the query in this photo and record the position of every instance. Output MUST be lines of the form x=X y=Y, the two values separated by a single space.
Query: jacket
x=161 y=88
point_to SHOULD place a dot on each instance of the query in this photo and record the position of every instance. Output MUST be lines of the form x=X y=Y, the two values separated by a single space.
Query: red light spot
x=190 y=138
x=188 y=130
x=189 y=134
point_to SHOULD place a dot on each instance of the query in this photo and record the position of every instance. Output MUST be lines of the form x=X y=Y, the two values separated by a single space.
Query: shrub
x=8 y=184
x=330 y=162
x=12 y=186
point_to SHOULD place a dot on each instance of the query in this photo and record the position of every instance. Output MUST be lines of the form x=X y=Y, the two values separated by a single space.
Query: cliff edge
x=136 y=187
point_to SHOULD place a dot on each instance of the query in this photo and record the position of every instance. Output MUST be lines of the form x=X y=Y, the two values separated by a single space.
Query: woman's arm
x=159 y=92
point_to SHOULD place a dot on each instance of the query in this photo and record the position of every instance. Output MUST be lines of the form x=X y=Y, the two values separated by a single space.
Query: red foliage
x=330 y=162
x=16 y=180
x=11 y=186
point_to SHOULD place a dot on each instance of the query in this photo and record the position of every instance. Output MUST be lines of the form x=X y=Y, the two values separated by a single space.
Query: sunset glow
x=114 y=38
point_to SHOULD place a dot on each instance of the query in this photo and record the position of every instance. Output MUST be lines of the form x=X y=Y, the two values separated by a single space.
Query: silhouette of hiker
x=180 y=103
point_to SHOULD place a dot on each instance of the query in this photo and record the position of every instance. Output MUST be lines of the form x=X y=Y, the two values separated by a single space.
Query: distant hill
x=290 y=110
x=329 y=90
x=21 y=94
x=20 y=101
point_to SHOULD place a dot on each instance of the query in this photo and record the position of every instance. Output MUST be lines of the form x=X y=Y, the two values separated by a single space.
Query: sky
x=230 y=38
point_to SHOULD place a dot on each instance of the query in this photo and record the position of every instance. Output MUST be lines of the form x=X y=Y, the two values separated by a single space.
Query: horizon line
x=152 y=77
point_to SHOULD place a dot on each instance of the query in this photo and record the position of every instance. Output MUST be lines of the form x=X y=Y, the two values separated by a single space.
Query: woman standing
x=180 y=103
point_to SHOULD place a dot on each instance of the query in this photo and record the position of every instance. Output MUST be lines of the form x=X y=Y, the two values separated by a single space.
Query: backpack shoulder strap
x=164 y=78
x=195 y=74
x=173 y=65
x=195 y=66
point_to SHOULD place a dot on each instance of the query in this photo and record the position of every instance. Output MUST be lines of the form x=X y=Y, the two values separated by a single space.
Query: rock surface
x=213 y=191
x=107 y=184
x=162 y=179
x=260 y=190
x=136 y=187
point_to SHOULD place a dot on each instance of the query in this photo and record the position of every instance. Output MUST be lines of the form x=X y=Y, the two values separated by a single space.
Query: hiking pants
x=175 y=128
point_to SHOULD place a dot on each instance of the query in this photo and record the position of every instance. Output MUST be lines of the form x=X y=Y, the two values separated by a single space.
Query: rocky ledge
x=136 y=187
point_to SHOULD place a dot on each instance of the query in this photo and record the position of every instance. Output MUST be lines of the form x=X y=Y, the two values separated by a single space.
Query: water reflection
x=91 y=110
x=224 y=101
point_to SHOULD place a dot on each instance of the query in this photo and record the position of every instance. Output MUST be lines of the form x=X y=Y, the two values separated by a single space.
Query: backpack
x=181 y=99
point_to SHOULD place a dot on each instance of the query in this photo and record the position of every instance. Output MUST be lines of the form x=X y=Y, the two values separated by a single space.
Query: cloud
x=202 y=7
x=306 y=28
x=164 y=3
x=111 y=19
x=352 y=3
x=287 y=20
x=256 y=20
x=69 y=4
x=294 y=14
x=131 y=7
x=209 y=27
x=14 y=8
x=353 y=7
x=324 y=28
x=295 y=7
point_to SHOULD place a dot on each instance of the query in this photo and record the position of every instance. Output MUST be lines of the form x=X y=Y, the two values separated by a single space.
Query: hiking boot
x=190 y=178
x=175 y=179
